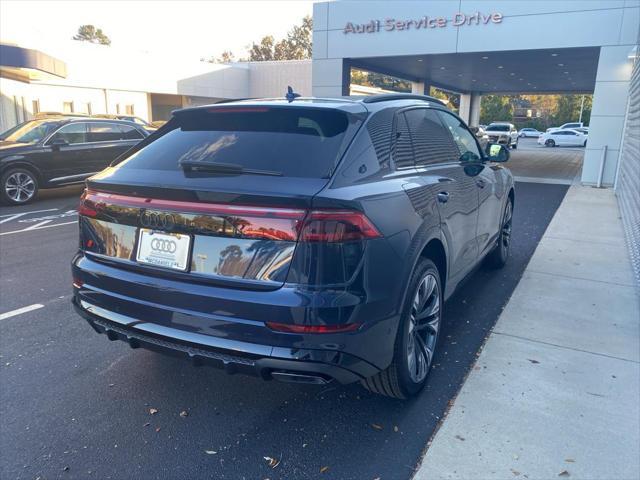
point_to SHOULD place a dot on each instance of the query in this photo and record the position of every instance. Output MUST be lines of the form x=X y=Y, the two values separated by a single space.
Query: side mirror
x=497 y=153
x=58 y=142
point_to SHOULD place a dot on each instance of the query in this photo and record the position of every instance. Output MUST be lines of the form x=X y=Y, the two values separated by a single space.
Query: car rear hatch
x=219 y=196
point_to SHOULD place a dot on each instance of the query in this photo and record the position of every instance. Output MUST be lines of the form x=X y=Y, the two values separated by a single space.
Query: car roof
x=353 y=104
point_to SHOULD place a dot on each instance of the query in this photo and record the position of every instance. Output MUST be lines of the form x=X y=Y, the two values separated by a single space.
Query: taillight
x=337 y=226
x=291 y=328
x=87 y=205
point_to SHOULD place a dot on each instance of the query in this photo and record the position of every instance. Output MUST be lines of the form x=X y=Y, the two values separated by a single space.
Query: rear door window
x=296 y=141
x=431 y=142
x=104 y=132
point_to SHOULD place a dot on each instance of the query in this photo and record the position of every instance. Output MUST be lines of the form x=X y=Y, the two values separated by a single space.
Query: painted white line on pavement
x=22 y=310
x=35 y=226
x=31 y=229
x=12 y=216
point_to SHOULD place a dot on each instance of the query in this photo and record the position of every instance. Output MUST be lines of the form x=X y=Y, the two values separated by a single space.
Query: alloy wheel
x=20 y=187
x=424 y=325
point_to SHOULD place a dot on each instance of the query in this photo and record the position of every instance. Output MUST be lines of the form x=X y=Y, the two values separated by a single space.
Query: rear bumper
x=268 y=362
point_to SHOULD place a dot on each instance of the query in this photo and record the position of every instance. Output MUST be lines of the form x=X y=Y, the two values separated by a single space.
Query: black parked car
x=55 y=151
x=305 y=242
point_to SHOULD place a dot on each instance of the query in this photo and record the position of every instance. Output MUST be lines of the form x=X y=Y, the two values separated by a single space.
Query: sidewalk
x=555 y=392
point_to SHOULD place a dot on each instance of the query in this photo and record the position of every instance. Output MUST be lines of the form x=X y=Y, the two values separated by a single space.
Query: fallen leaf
x=376 y=426
x=515 y=472
x=324 y=469
x=111 y=384
x=147 y=424
x=395 y=428
x=158 y=429
x=569 y=460
x=153 y=411
x=184 y=413
x=210 y=452
x=460 y=438
x=533 y=361
x=65 y=469
x=564 y=473
x=272 y=462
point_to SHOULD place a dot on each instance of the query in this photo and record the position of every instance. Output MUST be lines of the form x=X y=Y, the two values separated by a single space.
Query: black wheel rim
x=424 y=325
x=505 y=234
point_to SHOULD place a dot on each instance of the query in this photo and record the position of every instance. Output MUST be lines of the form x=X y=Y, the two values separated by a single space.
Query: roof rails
x=387 y=97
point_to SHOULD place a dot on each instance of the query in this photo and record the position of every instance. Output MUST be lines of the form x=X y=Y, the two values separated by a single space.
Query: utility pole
x=581 y=108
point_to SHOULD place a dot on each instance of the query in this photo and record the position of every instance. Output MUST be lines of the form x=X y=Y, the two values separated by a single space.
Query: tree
x=495 y=108
x=379 y=80
x=226 y=57
x=89 y=33
x=296 y=46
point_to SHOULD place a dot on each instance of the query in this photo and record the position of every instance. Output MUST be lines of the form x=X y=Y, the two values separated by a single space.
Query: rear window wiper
x=203 y=166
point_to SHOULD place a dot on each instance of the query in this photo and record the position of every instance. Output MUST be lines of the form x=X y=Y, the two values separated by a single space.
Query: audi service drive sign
x=392 y=24
x=168 y=250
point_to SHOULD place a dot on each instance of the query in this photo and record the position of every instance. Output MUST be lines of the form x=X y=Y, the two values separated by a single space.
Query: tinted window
x=464 y=140
x=379 y=129
x=402 y=150
x=72 y=133
x=431 y=142
x=298 y=142
x=104 y=132
x=130 y=133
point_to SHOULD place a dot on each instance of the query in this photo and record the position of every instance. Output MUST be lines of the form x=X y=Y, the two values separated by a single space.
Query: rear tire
x=515 y=145
x=19 y=186
x=550 y=143
x=500 y=254
x=417 y=338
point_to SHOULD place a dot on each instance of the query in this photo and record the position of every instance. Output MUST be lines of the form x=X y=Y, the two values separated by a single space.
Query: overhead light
x=554 y=54
x=528 y=84
x=561 y=64
x=521 y=79
x=459 y=74
x=500 y=66
x=473 y=80
x=512 y=74
x=485 y=58
x=442 y=68
x=419 y=59
x=566 y=73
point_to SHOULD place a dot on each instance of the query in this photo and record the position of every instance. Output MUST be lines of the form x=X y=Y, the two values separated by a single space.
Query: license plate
x=168 y=250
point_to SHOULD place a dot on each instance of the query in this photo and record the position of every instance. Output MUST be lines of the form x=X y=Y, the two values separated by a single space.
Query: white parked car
x=566 y=125
x=529 y=132
x=503 y=133
x=563 y=138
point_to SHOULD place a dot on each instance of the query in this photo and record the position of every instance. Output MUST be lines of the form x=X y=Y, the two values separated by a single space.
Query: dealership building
x=470 y=47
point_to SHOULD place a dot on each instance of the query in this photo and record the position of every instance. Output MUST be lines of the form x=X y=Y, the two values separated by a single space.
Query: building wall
x=610 y=24
x=270 y=79
x=17 y=100
x=628 y=181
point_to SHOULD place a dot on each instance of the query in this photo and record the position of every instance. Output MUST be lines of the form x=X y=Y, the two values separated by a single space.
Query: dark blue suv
x=302 y=241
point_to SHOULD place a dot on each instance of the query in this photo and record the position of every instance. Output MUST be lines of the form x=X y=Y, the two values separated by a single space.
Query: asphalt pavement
x=74 y=405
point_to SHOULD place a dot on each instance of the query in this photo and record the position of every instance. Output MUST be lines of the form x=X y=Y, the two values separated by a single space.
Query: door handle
x=443 y=197
x=481 y=183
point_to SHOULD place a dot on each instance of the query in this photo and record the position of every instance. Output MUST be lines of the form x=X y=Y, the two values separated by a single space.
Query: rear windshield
x=296 y=142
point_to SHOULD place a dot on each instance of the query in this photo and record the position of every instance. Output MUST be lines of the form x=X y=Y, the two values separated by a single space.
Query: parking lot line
x=32 y=229
x=12 y=216
x=22 y=310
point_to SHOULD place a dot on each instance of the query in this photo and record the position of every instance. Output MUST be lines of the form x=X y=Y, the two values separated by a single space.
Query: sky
x=193 y=29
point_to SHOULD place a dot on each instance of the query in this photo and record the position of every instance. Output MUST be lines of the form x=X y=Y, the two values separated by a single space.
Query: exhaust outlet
x=292 y=377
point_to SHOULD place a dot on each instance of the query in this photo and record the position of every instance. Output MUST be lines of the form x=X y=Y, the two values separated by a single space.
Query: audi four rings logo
x=157 y=220
x=165 y=246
